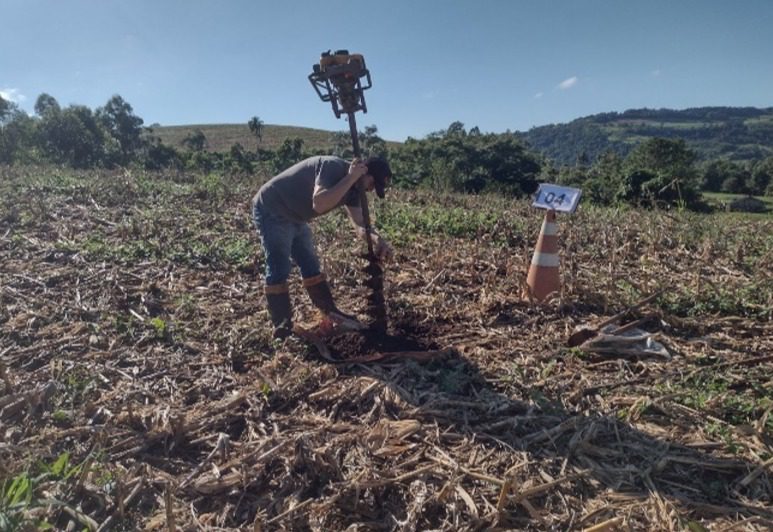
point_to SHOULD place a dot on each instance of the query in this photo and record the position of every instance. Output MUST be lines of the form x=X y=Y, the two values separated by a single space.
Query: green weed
x=724 y=433
x=265 y=389
x=238 y=251
x=710 y=393
x=15 y=499
x=547 y=370
x=404 y=222
x=749 y=301
x=159 y=326
x=61 y=417
x=210 y=186
x=19 y=495
x=185 y=306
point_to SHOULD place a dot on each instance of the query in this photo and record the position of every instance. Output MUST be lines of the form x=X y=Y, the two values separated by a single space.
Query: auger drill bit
x=375 y=280
x=376 y=302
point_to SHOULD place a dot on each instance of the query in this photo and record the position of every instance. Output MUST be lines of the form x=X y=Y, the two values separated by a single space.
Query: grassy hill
x=735 y=133
x=220 y=137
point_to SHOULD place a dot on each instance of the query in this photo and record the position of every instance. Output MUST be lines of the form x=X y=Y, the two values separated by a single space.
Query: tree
x=724 y=175
x=604 y=179
x=158 y=155
x=370 y=143
x=118 y=118
x=762 y=177
x=75 y=135
x=71 y=136
x=509 y=167
x=256 y=128
x=716 y=173
x=46 y=104
x=456 y=129
x=453 y=160
x=5 y=109
x=289 y=153
x=195 y=141
x=239 y=159
x=16 y=130
x=737 y=181
x=661 y=171
x=664 y=156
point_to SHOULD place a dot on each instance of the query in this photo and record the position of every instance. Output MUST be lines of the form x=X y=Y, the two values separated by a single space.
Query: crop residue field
x=141 y=387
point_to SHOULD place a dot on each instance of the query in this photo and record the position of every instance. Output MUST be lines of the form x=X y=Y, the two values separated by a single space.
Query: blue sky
x=495 y=64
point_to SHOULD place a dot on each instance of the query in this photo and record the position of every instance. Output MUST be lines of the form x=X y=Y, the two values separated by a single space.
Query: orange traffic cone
x=543 y=278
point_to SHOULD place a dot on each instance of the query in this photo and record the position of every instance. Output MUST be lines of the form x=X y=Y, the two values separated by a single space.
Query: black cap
x=379 y=169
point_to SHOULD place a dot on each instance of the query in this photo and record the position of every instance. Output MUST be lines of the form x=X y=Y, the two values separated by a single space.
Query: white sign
x=557 y=198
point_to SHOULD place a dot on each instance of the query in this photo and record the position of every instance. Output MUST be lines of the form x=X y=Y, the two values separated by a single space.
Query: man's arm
x=381 y=247
x=325 y=199
x=357 y=219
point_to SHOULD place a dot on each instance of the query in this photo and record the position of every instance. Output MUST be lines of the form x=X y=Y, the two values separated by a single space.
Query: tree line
x=113 y=136
x=657 y=171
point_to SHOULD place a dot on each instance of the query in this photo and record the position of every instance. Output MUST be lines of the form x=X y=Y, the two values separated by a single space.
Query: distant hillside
x=736 y=133
x=220 y=137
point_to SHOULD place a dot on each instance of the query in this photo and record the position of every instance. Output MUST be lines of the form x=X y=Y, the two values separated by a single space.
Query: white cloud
x=568 y=83
x=538 y=96
x=656 y=73
x=12 y=95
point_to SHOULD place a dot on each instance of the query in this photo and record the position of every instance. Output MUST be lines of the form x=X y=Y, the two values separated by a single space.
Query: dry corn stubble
x=134 y=336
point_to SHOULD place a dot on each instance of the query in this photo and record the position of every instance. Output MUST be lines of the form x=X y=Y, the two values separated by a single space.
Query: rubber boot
x=280 y=309
x=321 y=296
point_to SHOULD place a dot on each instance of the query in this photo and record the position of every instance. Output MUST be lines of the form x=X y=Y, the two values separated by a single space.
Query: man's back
x=289 y=194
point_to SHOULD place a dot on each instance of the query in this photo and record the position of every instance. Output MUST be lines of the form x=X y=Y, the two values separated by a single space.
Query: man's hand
x=357 y=169
x=381 y=248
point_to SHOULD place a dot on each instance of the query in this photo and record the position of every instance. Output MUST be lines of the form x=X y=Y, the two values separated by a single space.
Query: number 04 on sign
x=557 y=198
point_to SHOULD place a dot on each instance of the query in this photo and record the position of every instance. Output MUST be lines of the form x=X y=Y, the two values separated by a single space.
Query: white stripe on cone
x=549 y=228
x=548 y=260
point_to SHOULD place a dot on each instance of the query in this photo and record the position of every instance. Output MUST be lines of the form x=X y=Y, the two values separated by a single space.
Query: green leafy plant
x=159 y=326
x=15 y=498
x=18 y=496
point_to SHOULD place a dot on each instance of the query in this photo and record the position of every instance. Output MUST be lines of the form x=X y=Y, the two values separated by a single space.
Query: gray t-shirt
x=289 y=194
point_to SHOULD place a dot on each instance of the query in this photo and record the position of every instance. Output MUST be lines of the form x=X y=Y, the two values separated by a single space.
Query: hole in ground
x=403 y=335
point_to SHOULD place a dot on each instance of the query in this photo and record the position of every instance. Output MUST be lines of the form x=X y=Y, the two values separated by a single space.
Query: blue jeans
x=282 y=239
